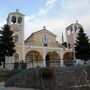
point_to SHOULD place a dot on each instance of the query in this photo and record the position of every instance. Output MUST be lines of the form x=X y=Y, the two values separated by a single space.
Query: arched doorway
x=68 y=58
x=52 y=59
x=33 y=58
x=47 y=60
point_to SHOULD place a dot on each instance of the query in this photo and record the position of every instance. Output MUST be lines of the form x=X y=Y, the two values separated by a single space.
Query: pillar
x=61 y=55
x=44 y=58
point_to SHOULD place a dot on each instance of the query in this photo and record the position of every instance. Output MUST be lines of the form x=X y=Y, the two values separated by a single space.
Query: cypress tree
x=7 y=45
x=82 y=46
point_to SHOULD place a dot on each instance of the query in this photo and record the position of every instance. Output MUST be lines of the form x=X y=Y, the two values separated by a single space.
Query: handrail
x=20 y=75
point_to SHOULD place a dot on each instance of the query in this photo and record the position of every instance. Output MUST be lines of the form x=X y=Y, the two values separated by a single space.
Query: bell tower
x=16 y=21
x=71 y=34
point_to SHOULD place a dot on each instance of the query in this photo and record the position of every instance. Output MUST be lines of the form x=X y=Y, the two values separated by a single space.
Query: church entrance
x=47 y=60
x=52 y=59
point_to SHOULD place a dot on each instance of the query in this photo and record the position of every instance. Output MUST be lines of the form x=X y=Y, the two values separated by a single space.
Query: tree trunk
x=3 y=61
x=84 y=62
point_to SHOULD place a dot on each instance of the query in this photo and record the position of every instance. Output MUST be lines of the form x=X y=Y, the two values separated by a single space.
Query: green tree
x=6 y=43
x=82 y=46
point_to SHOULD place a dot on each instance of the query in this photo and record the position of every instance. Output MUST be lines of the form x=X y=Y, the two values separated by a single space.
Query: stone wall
x=71 y=78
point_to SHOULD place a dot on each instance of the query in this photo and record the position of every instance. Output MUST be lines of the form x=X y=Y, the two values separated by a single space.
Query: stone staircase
x=66 y=78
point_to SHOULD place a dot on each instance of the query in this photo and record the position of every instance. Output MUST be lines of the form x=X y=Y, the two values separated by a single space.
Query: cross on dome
x=76 y=21
x=44 y=27
x=17 y=10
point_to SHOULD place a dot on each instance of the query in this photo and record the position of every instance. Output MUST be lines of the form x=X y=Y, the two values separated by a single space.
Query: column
x=61 y=56
x=44 y=57
x=10 y=20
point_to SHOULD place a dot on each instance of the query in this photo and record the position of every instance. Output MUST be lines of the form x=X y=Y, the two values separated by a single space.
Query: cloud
x=48 y=5
x=71 y=11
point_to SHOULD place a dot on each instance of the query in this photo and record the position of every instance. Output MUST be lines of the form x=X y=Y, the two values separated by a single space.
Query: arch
x=33 y=55
x=13 y=20
x=68 y=57
x=52 y=59
x=53 y=55
x=19 y=20
x=47 y=58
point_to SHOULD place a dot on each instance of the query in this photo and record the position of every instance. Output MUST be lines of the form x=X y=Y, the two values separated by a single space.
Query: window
x=19 y=20
x=45 y=40
x=16 y=57
x=68 y=32
x=71 y=29
x=13 y=19
x=16 y=38
x=75 y=29
x=69 y=46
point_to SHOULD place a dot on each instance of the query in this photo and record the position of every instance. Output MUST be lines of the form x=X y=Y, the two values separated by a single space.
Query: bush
x=47 y=73
x=16 y=66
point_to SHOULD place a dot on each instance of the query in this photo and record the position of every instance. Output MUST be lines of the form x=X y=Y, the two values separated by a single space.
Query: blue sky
x=56 y=15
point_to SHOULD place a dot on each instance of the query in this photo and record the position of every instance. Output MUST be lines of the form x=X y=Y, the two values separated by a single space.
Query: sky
x=56 y=15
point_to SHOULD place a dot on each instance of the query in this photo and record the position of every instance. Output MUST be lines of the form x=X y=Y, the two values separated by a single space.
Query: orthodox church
x=41 y=47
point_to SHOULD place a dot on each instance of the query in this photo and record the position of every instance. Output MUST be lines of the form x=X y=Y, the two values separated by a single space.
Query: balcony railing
x=42 y=44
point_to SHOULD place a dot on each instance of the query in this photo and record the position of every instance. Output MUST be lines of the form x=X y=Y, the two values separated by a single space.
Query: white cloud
x=73 y=10
x=42 y=12
x=48 y=5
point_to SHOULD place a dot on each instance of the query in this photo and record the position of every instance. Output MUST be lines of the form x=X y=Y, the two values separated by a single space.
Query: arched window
x=16 y=38
x=68 y=32
x=16 y=57
x=13 y=19
x=19 y=20
x=45 y=40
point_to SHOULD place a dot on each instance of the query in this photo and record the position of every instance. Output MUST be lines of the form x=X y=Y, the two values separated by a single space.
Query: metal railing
x=19 y=76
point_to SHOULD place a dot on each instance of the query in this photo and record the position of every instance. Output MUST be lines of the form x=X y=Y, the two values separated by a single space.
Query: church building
x=40 y=48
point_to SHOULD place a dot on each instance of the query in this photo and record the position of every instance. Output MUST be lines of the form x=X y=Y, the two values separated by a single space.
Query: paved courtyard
x=14 y=88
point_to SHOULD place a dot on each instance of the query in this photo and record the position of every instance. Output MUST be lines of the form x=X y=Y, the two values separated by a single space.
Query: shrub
x=47 y=73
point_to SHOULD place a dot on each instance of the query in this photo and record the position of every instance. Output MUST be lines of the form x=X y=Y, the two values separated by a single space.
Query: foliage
x=4 y=71
x=6 y=43
x=47 y=73
x=82 y=46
